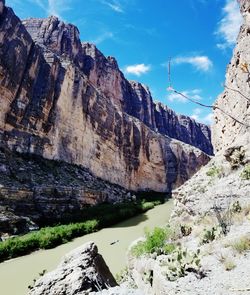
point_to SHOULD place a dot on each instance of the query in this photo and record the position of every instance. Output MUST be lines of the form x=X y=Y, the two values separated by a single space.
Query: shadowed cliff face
x=64 y=100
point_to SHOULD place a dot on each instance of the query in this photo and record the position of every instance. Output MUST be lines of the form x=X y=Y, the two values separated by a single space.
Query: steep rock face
x=81 y=271
x=135 y=99
x=235 y=100
x=221 y=182
x=55 y=36
x=183 y=128
x=50 y=107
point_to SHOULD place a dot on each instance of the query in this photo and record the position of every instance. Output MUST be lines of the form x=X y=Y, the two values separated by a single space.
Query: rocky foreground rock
x=62 y=99
x=81 y=271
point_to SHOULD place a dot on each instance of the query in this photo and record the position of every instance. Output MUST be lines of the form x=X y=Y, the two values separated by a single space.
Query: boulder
x=81 y=271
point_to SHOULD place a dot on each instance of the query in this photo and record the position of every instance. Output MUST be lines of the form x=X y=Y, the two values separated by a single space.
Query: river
x=16 y=274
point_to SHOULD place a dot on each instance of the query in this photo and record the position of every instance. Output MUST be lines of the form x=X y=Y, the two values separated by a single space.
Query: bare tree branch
x=213 y=107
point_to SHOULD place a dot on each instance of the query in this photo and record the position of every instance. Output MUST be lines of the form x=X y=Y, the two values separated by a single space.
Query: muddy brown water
x=18 y=273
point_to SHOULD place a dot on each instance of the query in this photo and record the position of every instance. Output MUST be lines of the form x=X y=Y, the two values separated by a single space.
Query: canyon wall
x=64 y=103
x=235 y=100
x=63 y=99
x=222 y=182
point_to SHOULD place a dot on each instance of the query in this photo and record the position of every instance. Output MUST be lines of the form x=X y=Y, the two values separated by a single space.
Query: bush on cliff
x=155 y=242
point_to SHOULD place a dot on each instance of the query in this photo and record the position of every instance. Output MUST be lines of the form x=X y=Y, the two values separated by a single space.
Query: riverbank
x=26 y=268
x=93 y=218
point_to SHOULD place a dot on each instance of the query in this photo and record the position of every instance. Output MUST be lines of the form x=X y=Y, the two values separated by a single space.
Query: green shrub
x=147 y=206
x=155 y=242
x=169 y=248
x=236 y=207
x=245 y=174
x=45 y=238
x=214 y=171
x=50 y=237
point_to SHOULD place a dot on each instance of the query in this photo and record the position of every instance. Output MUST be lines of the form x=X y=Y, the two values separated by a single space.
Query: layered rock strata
x=62 y=100
x=36 y=192
x=52 y=106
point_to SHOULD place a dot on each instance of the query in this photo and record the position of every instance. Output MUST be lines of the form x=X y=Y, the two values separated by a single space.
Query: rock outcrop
x=62 y=100
x=235 y=100
x=81 y=271
x=221 y=182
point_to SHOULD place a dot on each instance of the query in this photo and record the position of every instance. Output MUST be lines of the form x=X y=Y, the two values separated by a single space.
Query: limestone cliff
x=63 y=100
x=222 y=181
x=235 y=99
x=53 y=106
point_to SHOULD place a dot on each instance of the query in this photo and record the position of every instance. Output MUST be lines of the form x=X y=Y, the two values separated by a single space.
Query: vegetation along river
x=18 y=273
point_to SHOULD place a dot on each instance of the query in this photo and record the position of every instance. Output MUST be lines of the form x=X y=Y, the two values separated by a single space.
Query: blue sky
x=198 y=35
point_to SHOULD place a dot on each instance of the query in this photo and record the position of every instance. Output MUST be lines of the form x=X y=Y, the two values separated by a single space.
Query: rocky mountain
x=63 y=100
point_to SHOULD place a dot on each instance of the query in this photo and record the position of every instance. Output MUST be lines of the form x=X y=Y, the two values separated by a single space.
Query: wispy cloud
x=194 y=94
x=115 y=5
x=199 y=62
x=229 y=25
x=54 y=7
x=102 y=37
x=138 y=69
x=198 y=115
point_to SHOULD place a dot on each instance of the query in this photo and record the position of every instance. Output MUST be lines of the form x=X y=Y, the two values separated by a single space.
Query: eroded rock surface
x=221 y=181
x=64 y=100
x=235 y=100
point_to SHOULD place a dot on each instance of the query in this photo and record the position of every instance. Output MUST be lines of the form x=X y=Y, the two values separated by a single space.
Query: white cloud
x=193 y=94
x=114 y=5
x=200 y=62
x=137 y=69
x=198 y=115
x=228 y=27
